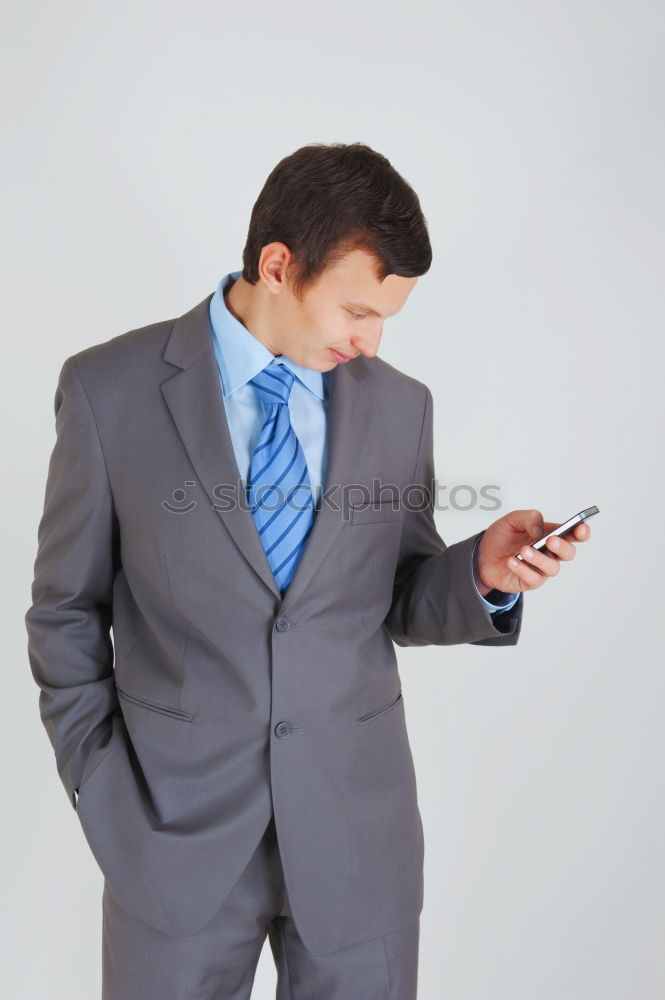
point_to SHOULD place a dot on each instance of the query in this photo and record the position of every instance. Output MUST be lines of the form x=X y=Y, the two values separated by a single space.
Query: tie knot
x=274 y=383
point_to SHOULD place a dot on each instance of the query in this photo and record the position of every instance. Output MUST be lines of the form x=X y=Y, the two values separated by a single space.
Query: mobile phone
x=563 y=529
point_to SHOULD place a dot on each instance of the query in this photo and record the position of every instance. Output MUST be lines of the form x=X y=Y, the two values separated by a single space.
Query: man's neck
x=241 y=300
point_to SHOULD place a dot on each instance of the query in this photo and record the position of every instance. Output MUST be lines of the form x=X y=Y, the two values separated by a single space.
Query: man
x=244 y=494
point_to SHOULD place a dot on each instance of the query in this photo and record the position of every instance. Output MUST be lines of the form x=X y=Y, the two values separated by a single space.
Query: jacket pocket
x=381 y=711
x=154 y=706
x=375 y=512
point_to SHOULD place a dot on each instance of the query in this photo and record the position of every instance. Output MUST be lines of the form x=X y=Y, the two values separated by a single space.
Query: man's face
x=344 y=311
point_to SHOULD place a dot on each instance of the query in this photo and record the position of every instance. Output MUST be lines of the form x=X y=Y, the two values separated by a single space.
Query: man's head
x=336 y=243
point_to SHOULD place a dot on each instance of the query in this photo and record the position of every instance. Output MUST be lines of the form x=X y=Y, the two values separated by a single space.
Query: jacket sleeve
x=69 y=645
x=435 y=600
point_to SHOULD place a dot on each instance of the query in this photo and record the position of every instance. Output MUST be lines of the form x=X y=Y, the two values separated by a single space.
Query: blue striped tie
x=278 y=474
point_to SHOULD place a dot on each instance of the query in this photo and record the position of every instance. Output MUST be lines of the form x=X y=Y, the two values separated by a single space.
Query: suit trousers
x=219 y=962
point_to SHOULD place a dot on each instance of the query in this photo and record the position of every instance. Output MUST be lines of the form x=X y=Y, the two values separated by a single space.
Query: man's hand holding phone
x=514 y=535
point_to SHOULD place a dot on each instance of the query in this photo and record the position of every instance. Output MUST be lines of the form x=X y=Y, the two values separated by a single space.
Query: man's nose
x=368 y=343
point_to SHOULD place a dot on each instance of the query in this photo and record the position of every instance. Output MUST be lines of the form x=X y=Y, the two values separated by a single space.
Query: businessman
x=243 y=497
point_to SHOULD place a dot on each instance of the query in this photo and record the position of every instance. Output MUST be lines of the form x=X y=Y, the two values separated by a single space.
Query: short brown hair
x=324 y=201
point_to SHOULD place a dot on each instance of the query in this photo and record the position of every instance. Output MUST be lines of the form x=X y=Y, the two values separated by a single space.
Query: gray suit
x=219 y=702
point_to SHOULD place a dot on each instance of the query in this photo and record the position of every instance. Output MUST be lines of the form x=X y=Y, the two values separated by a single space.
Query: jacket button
x=283 y=625
x=283 y=729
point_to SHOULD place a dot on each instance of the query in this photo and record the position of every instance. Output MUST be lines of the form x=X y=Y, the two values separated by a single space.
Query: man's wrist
x=499 y=598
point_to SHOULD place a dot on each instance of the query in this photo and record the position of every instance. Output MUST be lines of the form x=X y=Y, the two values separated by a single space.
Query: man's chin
x=325 y=366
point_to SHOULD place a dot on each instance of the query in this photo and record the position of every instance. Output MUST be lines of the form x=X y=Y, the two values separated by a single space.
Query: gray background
x=139 y=137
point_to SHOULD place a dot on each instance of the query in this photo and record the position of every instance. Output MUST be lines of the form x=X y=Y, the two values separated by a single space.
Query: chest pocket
x=376 y=512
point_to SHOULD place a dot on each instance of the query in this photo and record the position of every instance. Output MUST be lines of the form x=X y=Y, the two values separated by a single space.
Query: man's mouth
x=339 y=357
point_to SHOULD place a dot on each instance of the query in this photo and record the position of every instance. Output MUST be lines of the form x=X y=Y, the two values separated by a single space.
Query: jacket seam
x=413 y=474
x=94 y=420
x=420 y=438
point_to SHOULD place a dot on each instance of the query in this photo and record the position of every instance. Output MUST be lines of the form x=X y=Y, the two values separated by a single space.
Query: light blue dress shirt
x=240 y=356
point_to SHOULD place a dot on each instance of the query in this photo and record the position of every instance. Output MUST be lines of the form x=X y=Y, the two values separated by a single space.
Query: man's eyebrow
x=367 y=309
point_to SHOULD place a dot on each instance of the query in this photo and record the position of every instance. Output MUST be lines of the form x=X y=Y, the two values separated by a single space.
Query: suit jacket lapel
x=194 y=397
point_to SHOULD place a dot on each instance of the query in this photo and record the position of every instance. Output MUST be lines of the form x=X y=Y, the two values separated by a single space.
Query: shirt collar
x=240 y=356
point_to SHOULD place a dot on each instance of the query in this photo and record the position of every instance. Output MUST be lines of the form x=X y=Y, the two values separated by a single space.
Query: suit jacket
x=185 y=698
